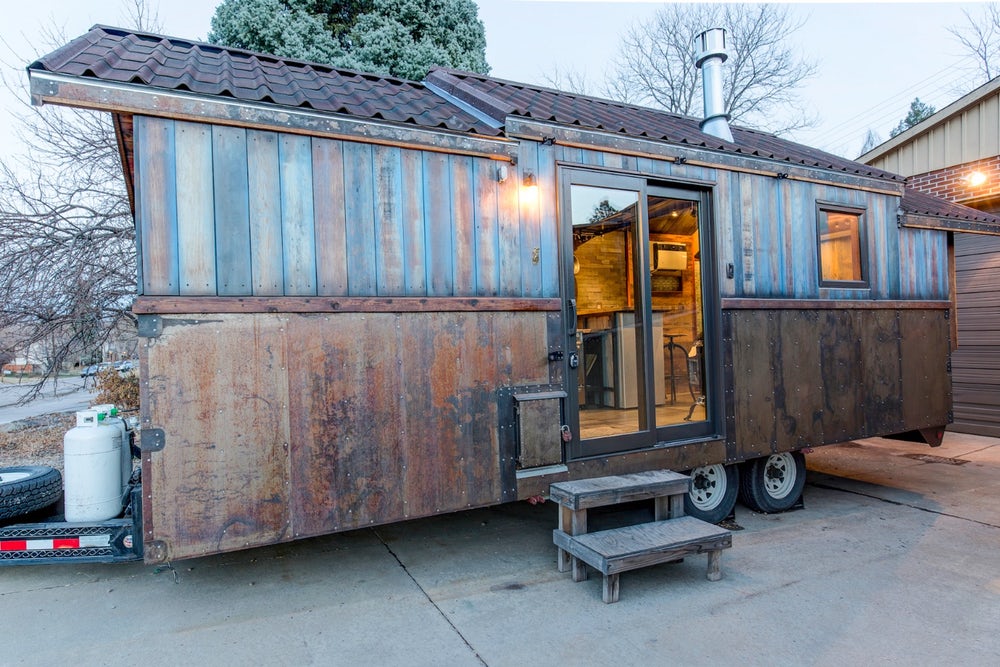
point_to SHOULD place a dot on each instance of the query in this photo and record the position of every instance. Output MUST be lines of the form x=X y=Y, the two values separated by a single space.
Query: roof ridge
x=562 y=93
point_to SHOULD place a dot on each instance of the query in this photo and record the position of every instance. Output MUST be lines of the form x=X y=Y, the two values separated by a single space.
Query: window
x=841 y=252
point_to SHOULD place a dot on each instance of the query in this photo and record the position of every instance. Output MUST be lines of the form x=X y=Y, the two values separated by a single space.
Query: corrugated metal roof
x=491 y=96
x=122 y=56
x=921 y=203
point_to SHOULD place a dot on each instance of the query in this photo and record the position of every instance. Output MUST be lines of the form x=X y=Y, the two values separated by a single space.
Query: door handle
x=571 y=317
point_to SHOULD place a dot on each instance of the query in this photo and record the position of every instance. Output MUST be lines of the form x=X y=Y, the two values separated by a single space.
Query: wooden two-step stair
x=671 y=535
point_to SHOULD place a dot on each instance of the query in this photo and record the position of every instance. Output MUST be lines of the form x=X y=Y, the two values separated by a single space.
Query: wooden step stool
x=669 y=537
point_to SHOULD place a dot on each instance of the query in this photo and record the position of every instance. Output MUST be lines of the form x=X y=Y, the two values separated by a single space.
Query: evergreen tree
x=402 y=38
x=281 y=27
x=918 y=112
x=407 y=37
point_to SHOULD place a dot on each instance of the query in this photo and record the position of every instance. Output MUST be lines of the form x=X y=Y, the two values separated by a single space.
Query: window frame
x=823 y=208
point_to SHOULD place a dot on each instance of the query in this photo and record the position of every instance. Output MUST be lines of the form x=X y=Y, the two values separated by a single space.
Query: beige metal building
x=955 y=154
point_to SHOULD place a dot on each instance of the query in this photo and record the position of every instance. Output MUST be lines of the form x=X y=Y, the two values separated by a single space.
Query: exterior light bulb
x=975 y=179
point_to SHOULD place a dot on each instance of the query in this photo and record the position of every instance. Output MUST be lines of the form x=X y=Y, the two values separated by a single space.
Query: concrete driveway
x=894 y=560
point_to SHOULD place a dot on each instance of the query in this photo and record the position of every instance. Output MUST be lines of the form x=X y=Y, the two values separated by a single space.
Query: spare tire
x=25 y=489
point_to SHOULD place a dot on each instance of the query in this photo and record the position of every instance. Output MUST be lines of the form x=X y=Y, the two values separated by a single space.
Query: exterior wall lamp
x=975 y=179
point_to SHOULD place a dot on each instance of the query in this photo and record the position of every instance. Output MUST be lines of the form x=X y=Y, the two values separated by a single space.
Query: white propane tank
x=112 y=419
x=93 y=475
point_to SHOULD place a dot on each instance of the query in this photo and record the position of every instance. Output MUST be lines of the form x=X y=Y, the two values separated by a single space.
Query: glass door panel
x=609 y=320
x=677 y=310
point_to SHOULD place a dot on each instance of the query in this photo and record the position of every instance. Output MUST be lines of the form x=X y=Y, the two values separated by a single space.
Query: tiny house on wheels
x=363 y=299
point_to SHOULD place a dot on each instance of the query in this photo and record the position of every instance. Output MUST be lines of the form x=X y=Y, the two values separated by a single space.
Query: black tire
x=773 y=483
x=25 y=489
x=713 y=492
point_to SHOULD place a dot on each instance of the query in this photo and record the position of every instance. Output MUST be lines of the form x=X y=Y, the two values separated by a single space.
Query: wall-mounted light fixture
x=529 y=187
x=501 y=173
x=975 y=179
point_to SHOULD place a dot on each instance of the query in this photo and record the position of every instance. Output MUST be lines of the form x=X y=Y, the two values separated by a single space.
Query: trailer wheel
x=24 y=489
x=773 y=483
x=713 y=492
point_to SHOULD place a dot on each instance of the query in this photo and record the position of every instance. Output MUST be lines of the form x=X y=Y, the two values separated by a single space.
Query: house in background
x=955 y=154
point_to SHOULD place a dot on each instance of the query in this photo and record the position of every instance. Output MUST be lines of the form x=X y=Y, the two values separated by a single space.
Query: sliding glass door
x=635 y=312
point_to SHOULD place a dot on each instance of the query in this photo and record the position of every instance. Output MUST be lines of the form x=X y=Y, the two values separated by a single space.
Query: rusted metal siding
x=807 y=377
x=280 y=426
x=976 y=361
x=240 y=212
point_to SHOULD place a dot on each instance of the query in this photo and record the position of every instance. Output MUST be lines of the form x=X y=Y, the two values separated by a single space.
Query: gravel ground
x=36 y=440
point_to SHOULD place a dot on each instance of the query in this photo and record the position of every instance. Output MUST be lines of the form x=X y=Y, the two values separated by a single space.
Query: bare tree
x=569 y=80
x=872 y=139
x=655 y=64
x=980 y=37
x=67 y=236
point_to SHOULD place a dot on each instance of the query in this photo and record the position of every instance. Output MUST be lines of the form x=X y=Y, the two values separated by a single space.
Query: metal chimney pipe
x=710 y=53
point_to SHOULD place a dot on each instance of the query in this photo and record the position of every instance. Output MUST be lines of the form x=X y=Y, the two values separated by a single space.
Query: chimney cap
x=710 y=44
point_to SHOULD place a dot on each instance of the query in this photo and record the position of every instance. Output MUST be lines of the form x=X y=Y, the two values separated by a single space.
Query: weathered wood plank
x=195 y=209
x=925 y=381
x=232 y=211
x=215 y=487
x=798 y=391
x=347 y=456
x=528 y=336
x=388 y=223
x=633 y=547
x=298 y=229
x=331 y=220
x=881 y=373
x=157 y=193
x=840 y=365
x=509 y=235
x=615 y=489
x=753 y=374
x=531 y=222
x=487 y=228
x=831 y=304
x=437 y=226
x=450 y=374
x=548 y=231
x=265 y=213
x=414 y=234
x=362 y=277
x=463 y=225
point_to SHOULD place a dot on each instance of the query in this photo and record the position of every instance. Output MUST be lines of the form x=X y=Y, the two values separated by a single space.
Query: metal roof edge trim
x=464 y=106
x=521 y=128
x=923 y=221
x=932 y=121
x=65 y=90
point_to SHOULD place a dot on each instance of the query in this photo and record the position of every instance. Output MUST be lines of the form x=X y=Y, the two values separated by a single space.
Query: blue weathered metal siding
x=270 y=214
x=234 y=212
x=766 y=228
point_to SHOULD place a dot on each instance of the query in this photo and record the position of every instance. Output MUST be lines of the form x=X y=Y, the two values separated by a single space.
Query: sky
x=872 y=58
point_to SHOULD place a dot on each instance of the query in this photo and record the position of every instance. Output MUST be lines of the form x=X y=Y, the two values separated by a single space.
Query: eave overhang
x=49 y=88
x=521 y=128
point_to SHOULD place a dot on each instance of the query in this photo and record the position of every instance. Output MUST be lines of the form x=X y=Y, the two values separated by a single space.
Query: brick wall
x=952 y=183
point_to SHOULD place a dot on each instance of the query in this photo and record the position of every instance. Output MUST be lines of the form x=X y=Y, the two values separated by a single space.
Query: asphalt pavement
x=68 y=393
x=893 y=560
